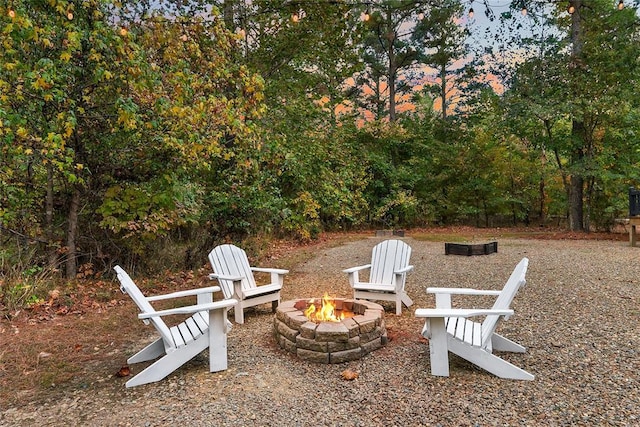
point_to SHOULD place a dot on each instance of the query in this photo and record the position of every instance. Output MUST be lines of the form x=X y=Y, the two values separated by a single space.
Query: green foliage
x=150 y=210
x=154 y=129
x=570 y=102
x=23 y=282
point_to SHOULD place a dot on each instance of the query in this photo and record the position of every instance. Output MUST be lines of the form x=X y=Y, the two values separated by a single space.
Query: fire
x=326 y=313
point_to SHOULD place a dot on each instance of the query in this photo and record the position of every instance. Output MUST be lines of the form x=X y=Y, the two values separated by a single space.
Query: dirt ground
x=81 y=337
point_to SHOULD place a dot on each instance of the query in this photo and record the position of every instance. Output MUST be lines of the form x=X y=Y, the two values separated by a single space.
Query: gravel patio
x=578 y=316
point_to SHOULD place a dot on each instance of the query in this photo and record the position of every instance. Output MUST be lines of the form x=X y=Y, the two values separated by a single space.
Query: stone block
x=288 y=304
x=332 y=331
x=334 y=347
x=375 y=314
x=295 y=320
x=313 y=356
x=312 y=345
x=308 y=330
x=346 y=356
x=300 y=304
x=370 y=336
x=286 y=331
x=384 y=339
x=352 y=326
x=372 y=345
x=348 y=305
x=371 y=305
x=289 y=346
x=367 y=323
x=282 y=313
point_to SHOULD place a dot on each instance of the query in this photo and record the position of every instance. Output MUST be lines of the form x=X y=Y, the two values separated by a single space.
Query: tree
x=62 y=90
x=577 y=95
x=117 y=124
x=387 y=52
x=440 y=39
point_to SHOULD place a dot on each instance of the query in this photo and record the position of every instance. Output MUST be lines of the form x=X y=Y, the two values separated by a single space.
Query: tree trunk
x=51 y=247
x=443 y=90
x=72 y=232
x=391 y=38
x=575 y=203
x=578 y=131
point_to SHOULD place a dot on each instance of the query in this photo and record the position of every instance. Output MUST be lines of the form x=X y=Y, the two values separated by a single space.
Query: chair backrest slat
x=230 y=260
x=515 y=282
x=130 y=288
x=388 y=256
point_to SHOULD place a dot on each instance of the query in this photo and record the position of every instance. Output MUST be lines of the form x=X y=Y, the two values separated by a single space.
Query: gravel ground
x=578 y=316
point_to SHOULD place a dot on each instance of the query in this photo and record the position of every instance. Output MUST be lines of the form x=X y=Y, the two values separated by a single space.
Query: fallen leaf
x=54 y=294
x=349 y=375
x=125 y=371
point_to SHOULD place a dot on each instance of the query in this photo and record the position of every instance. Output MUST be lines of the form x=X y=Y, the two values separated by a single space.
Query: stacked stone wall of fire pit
x=330 y=342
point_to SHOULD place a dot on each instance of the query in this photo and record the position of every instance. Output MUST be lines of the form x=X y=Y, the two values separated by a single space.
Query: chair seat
x=465 y=330
x=261 y=290
x=374 y=287
x=190 y=330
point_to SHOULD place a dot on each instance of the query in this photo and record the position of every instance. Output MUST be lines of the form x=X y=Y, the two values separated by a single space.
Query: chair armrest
x=354 y=274
x=277 y=274
x=460 y=312
x=354 y=269
x=269 y=270
x=462 y=291
x=190 y=292
x=407 y=269
x=191 y=309
x=221 y=277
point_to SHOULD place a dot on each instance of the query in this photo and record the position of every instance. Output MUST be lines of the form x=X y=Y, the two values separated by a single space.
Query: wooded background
x=146 y=132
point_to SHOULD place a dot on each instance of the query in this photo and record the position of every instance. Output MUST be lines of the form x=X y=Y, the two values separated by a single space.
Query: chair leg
x=217 y=340
x=150 y=352
x=406 y=300
x=239 y=313
x=438 y=352
x=487 y=361
x=500 y=343
x=169 y=362
x=398 y=306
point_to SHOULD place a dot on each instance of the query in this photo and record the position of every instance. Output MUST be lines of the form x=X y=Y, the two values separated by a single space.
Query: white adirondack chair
x=206 y=328
x=387 y=274
x=450 y=329
x=231 y=268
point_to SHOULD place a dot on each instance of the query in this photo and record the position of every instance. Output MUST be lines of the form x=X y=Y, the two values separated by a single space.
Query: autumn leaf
x=349 y=375
x=125 y=371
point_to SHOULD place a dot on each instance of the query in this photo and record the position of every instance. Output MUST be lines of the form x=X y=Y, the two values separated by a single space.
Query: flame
x=326 y=313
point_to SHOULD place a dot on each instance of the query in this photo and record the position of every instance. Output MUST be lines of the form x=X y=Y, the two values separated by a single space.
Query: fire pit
x=333 y=331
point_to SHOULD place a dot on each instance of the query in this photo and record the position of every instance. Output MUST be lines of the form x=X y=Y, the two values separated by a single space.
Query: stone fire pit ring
x=330 y=342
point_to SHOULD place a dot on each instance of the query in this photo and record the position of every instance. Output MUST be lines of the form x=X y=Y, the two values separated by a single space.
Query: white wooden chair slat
x=202 y=320
x=180 y=343
x=451 y=330
x=476 y=339
x=387 y=274
x=194 y=330
x=176 y=334
x=234 y=274
x=468 y=331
